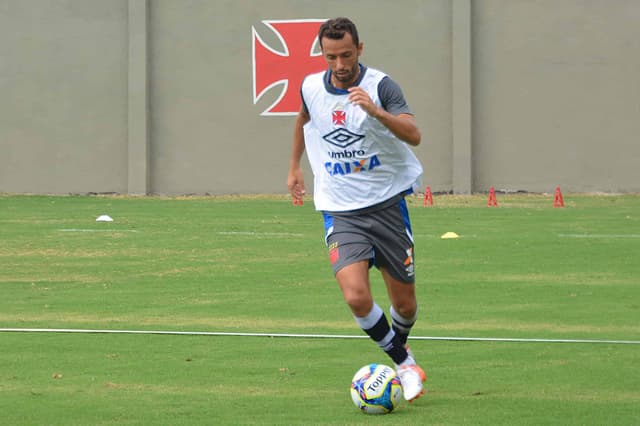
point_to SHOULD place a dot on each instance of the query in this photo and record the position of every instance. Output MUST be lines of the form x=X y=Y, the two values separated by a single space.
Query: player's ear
x=360 y=46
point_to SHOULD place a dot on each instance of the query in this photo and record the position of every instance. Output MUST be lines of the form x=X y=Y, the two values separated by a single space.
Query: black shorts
x=380 y=235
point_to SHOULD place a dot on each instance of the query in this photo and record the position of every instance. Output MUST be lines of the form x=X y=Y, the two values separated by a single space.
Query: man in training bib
x=357 y=127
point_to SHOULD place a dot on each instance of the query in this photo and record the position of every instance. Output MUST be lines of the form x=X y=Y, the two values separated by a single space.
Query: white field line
x=260 y=234
x=309 y=336
x=96 y=230
x=440 y=236
x=599 y=235
x=558 y=235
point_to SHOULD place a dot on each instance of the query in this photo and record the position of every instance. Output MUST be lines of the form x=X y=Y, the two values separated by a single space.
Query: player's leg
x=350 y=253
x=404 y=306
x=395 y=258
x=354 y=283
x=394 y=255
x=403 y=300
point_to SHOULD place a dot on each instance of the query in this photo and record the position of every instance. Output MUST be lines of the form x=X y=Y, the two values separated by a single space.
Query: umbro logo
x=342 y=137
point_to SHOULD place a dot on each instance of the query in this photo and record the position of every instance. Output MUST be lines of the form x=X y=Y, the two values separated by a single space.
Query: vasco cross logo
x=299 y=39
x=339 y=117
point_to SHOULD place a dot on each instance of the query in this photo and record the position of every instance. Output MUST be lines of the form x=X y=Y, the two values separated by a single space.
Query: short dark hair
x=336 y=28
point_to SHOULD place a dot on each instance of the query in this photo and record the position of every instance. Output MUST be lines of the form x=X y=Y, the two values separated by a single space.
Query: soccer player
x=357 y=128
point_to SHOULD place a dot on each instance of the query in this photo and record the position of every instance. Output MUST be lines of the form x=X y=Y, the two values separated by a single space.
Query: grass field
x=259 y=265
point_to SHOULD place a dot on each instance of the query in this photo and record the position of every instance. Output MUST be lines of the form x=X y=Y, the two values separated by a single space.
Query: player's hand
x=295 y=183
x=359 y=97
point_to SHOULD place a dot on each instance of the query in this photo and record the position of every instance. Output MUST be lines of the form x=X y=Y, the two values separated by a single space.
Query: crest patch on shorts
x=334 y=253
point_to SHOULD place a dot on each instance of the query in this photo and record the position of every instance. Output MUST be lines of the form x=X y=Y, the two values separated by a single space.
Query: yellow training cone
x=449 y=235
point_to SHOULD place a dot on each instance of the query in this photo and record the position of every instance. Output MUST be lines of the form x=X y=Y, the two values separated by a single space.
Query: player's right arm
x=295 y=179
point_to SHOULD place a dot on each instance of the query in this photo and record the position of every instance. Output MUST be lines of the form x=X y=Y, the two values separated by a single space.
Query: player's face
x=342 y=58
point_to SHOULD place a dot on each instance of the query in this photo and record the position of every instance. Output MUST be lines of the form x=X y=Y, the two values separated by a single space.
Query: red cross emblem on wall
x=300 y=57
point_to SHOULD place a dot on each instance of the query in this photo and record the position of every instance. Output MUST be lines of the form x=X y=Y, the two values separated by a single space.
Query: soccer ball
x=375 y=389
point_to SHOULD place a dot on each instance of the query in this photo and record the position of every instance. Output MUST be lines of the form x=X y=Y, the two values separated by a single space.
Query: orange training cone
x=428 y=197
x=492 y=201
x=298 y=202
x=558 y=201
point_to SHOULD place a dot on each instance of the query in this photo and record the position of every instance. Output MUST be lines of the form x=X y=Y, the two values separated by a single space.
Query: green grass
x=258 y=264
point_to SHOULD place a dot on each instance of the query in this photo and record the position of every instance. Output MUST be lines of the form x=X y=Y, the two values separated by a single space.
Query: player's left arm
x=394 y=113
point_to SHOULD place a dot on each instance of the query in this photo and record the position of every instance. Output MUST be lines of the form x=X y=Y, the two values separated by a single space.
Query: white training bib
x=356 y=161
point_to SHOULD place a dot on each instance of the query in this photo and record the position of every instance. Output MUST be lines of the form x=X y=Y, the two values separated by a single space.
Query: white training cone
x=104 y=218
x=449 y=235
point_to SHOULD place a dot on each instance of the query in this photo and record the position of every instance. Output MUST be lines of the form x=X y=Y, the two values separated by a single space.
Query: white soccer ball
x=375 y=389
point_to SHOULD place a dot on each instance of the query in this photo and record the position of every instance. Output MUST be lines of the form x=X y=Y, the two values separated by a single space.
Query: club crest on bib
x=339 y=117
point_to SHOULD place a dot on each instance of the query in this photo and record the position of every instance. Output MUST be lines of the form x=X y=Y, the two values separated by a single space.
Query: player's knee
x=360 y=304
x=407 y=308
